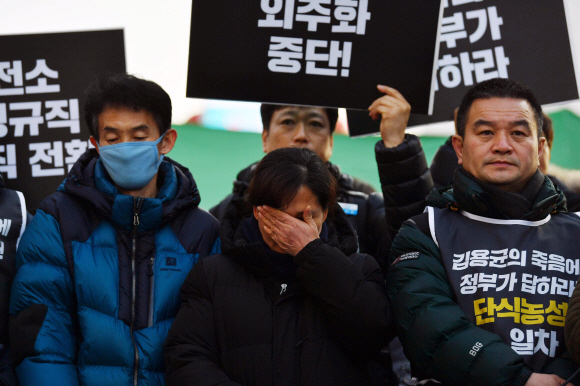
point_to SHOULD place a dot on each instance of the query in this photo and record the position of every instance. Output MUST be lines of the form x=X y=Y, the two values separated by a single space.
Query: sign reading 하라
x=313 y=52
x=42 y=80
x=524 y=40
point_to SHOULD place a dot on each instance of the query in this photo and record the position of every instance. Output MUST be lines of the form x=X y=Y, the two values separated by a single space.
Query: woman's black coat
x=241 y=323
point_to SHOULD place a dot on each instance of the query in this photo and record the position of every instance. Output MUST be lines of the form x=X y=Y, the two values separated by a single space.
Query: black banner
x=524 y=40
x=42 y=80
x=313 y=52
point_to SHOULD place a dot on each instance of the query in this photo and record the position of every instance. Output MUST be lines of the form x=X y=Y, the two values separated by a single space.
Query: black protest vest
x=12 y=224
x=513 y=278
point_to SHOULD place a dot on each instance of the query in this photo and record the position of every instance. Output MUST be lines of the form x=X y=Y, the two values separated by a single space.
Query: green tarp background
x=215 y=157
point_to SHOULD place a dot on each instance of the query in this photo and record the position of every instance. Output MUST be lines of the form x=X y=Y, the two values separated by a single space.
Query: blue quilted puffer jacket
x=98 y=278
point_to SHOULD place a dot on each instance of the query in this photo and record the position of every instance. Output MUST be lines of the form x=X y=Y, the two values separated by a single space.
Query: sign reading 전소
x=42 y=80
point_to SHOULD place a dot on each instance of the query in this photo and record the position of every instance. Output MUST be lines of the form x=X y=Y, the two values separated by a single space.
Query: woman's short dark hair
x=282 y=172
x=126 y=91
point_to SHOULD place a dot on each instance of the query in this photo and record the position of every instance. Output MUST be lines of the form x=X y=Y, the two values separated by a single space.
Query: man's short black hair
x=268 y=110
x=498 y=88
x=126 y=91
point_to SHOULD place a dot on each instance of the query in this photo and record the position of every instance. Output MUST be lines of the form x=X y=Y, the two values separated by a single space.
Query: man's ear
x=331 y=142
x=457 y=142
x=542 y=143
x=255 y=210
x=265 y=140
x=94 y=142
x=168 y=141
x=455 y=118
x=327 y=152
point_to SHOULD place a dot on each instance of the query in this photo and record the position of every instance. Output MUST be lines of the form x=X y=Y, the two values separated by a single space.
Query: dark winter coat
x=244 y=322
x=13 y=219
x=405 y=182
x=98 y=278
x=572 y=326
x=435 y=331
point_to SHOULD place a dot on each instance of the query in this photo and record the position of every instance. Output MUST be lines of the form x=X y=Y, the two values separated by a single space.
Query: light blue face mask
x=131 y=165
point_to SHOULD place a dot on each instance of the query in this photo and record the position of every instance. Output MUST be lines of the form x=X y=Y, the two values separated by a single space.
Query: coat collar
x=89 y=181
x=466 y=194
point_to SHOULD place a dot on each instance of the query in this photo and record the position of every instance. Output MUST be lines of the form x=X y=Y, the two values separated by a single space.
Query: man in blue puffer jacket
x=100 y=267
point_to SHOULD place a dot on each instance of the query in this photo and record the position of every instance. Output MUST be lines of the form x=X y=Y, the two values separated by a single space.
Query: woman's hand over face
x=290 y=233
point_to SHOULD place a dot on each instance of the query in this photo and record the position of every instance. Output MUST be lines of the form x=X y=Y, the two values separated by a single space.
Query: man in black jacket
x=403 y=172
x=480 y=283
x=13 y=220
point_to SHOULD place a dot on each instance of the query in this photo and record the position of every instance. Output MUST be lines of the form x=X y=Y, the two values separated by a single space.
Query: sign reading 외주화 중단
x=42 y=81
x=526 y=41
x=313 y=52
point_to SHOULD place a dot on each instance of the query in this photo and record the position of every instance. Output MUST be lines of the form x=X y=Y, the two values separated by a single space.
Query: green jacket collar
x=467 y=195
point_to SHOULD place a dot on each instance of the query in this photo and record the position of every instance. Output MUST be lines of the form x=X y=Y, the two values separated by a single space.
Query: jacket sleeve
x=351 y=293
x=375 y=226
x=7 y=375
x=42 y=332
x=7 y=268
x=572 y=325
x=219 y=210
x=564 y=367
x=405 y=181
x=437 y=337
x=444 y=165
x=191 y=351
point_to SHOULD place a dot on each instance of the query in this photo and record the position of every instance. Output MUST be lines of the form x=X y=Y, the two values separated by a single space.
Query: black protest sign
x=42 y=80
x=312 y=52
x=526 y=41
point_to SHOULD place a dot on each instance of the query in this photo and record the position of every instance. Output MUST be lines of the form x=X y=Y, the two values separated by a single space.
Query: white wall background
x=156 y=36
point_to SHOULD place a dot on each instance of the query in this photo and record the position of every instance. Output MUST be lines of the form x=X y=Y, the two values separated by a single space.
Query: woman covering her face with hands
x=289 y=301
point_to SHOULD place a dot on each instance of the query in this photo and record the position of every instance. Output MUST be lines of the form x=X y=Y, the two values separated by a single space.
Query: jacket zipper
x=283 y=288
x=274 y=343
x=137 y=202
x=151 y=274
